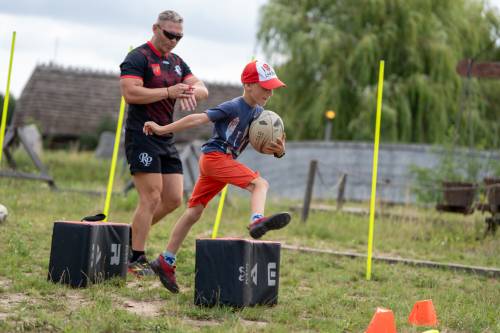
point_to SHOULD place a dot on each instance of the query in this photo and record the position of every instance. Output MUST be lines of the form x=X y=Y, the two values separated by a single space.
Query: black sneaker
x=259 y=227
x=166 y=272
x=140 y=267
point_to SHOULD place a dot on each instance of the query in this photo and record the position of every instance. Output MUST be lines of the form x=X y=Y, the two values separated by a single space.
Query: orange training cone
x=423 y=314
x=382 y=322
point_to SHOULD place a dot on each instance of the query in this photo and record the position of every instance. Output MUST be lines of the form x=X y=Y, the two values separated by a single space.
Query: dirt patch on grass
x=74 y=300
x=151 y=308
x=200 y=323
x=5 y=283
x=8 y=302
x=253 y=323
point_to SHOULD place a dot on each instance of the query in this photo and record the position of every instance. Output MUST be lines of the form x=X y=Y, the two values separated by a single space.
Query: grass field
x=318 y=292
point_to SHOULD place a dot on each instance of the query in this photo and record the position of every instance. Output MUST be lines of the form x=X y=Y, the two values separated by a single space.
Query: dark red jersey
x=156 y=71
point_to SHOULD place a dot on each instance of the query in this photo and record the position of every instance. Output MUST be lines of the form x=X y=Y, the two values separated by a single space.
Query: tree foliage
x=328 y=53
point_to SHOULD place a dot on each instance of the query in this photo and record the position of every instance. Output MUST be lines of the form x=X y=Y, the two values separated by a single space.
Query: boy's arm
x=193 y=120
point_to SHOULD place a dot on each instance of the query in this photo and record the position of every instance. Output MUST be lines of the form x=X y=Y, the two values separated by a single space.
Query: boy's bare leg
x=260 y=224
x=182 y=227
x=258 y=187
x=164 y=265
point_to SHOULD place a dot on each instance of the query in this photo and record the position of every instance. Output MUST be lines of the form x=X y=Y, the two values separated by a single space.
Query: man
x=152 y=80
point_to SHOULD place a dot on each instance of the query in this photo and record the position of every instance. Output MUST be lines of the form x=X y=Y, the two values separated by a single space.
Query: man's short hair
x=170 y=15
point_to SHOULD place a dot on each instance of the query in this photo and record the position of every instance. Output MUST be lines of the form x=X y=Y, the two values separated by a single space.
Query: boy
x=218 y=165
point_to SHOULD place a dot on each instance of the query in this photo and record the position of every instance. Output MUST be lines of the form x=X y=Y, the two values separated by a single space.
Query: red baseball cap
x=261 y=73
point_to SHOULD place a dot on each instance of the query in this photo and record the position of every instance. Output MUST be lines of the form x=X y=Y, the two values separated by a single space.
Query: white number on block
x=271 y=274
x=253 y=274
x=115 y=259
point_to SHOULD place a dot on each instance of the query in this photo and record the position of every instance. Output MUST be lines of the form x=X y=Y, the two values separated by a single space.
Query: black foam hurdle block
x=236 y=272
x=88 y=252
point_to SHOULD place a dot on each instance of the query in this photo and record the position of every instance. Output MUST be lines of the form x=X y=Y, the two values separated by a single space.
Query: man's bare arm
x=200 y=90
x=134 y=92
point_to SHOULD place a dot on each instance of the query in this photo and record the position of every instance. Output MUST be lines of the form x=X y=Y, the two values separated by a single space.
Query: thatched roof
x=69 y=102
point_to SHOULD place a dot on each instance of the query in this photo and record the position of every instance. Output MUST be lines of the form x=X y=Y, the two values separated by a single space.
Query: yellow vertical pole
x=219 y=212
x=116 y=149
x=3 y=123
x=374 y=170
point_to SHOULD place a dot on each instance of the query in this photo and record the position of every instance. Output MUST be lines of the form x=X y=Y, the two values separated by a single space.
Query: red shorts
x=216 y=170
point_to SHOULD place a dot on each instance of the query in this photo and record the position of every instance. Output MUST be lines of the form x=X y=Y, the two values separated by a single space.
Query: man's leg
x=149 y=188
x=171 y=195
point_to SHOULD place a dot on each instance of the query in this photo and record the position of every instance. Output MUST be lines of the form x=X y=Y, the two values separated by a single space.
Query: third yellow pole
x=219 y=212
x=374 y=170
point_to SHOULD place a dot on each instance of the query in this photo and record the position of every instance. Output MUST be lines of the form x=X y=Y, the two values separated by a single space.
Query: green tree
x=328 y=53
x=10 y=110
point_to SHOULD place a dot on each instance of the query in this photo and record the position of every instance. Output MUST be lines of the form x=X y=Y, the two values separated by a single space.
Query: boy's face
x=258 y=94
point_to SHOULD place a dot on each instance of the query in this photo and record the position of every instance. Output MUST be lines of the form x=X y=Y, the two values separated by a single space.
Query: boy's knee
x=195 y=213
x=261 y=183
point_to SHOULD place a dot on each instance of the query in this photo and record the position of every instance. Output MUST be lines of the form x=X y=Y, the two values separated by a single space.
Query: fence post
x=313 y=165
x=341 y=192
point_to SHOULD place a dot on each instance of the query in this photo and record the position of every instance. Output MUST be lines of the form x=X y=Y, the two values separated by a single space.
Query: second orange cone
x=423 y=314
x=382 y=322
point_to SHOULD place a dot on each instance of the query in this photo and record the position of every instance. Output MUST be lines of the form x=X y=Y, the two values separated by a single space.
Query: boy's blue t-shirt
x=232 y=121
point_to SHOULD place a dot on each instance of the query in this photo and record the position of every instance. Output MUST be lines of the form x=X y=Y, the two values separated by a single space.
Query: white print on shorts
x=145 y=159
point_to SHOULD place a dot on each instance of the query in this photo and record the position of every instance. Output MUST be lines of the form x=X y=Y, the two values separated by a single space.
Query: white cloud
x=220 y=36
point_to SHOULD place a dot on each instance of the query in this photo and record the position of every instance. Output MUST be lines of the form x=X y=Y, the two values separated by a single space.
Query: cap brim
x=272 y=84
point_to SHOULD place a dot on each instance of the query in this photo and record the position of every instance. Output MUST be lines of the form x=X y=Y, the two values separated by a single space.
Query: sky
x=220 y=36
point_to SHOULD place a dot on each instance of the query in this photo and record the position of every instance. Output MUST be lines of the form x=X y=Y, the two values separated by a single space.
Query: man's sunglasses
x=170 y=35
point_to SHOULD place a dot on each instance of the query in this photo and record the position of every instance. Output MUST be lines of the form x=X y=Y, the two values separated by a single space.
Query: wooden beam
x=483 y=69
x=486 y=271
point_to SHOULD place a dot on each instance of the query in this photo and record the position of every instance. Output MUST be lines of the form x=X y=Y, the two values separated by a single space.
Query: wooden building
x=66 y=103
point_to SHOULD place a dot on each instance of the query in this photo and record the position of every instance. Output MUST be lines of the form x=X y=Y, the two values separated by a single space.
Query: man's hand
x=180 y=90
x=188 y=104
x=276 y=148
x=150 y=128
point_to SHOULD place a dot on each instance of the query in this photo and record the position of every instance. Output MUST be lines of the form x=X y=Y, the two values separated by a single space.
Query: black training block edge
x=236 y=272
x=88 y=252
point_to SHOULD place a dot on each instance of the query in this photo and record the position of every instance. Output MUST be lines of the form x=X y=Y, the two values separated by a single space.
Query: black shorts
x=151 y=153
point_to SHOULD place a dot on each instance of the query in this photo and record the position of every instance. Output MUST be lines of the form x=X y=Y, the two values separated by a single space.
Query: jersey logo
x=156 y=69
x=178 y=70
